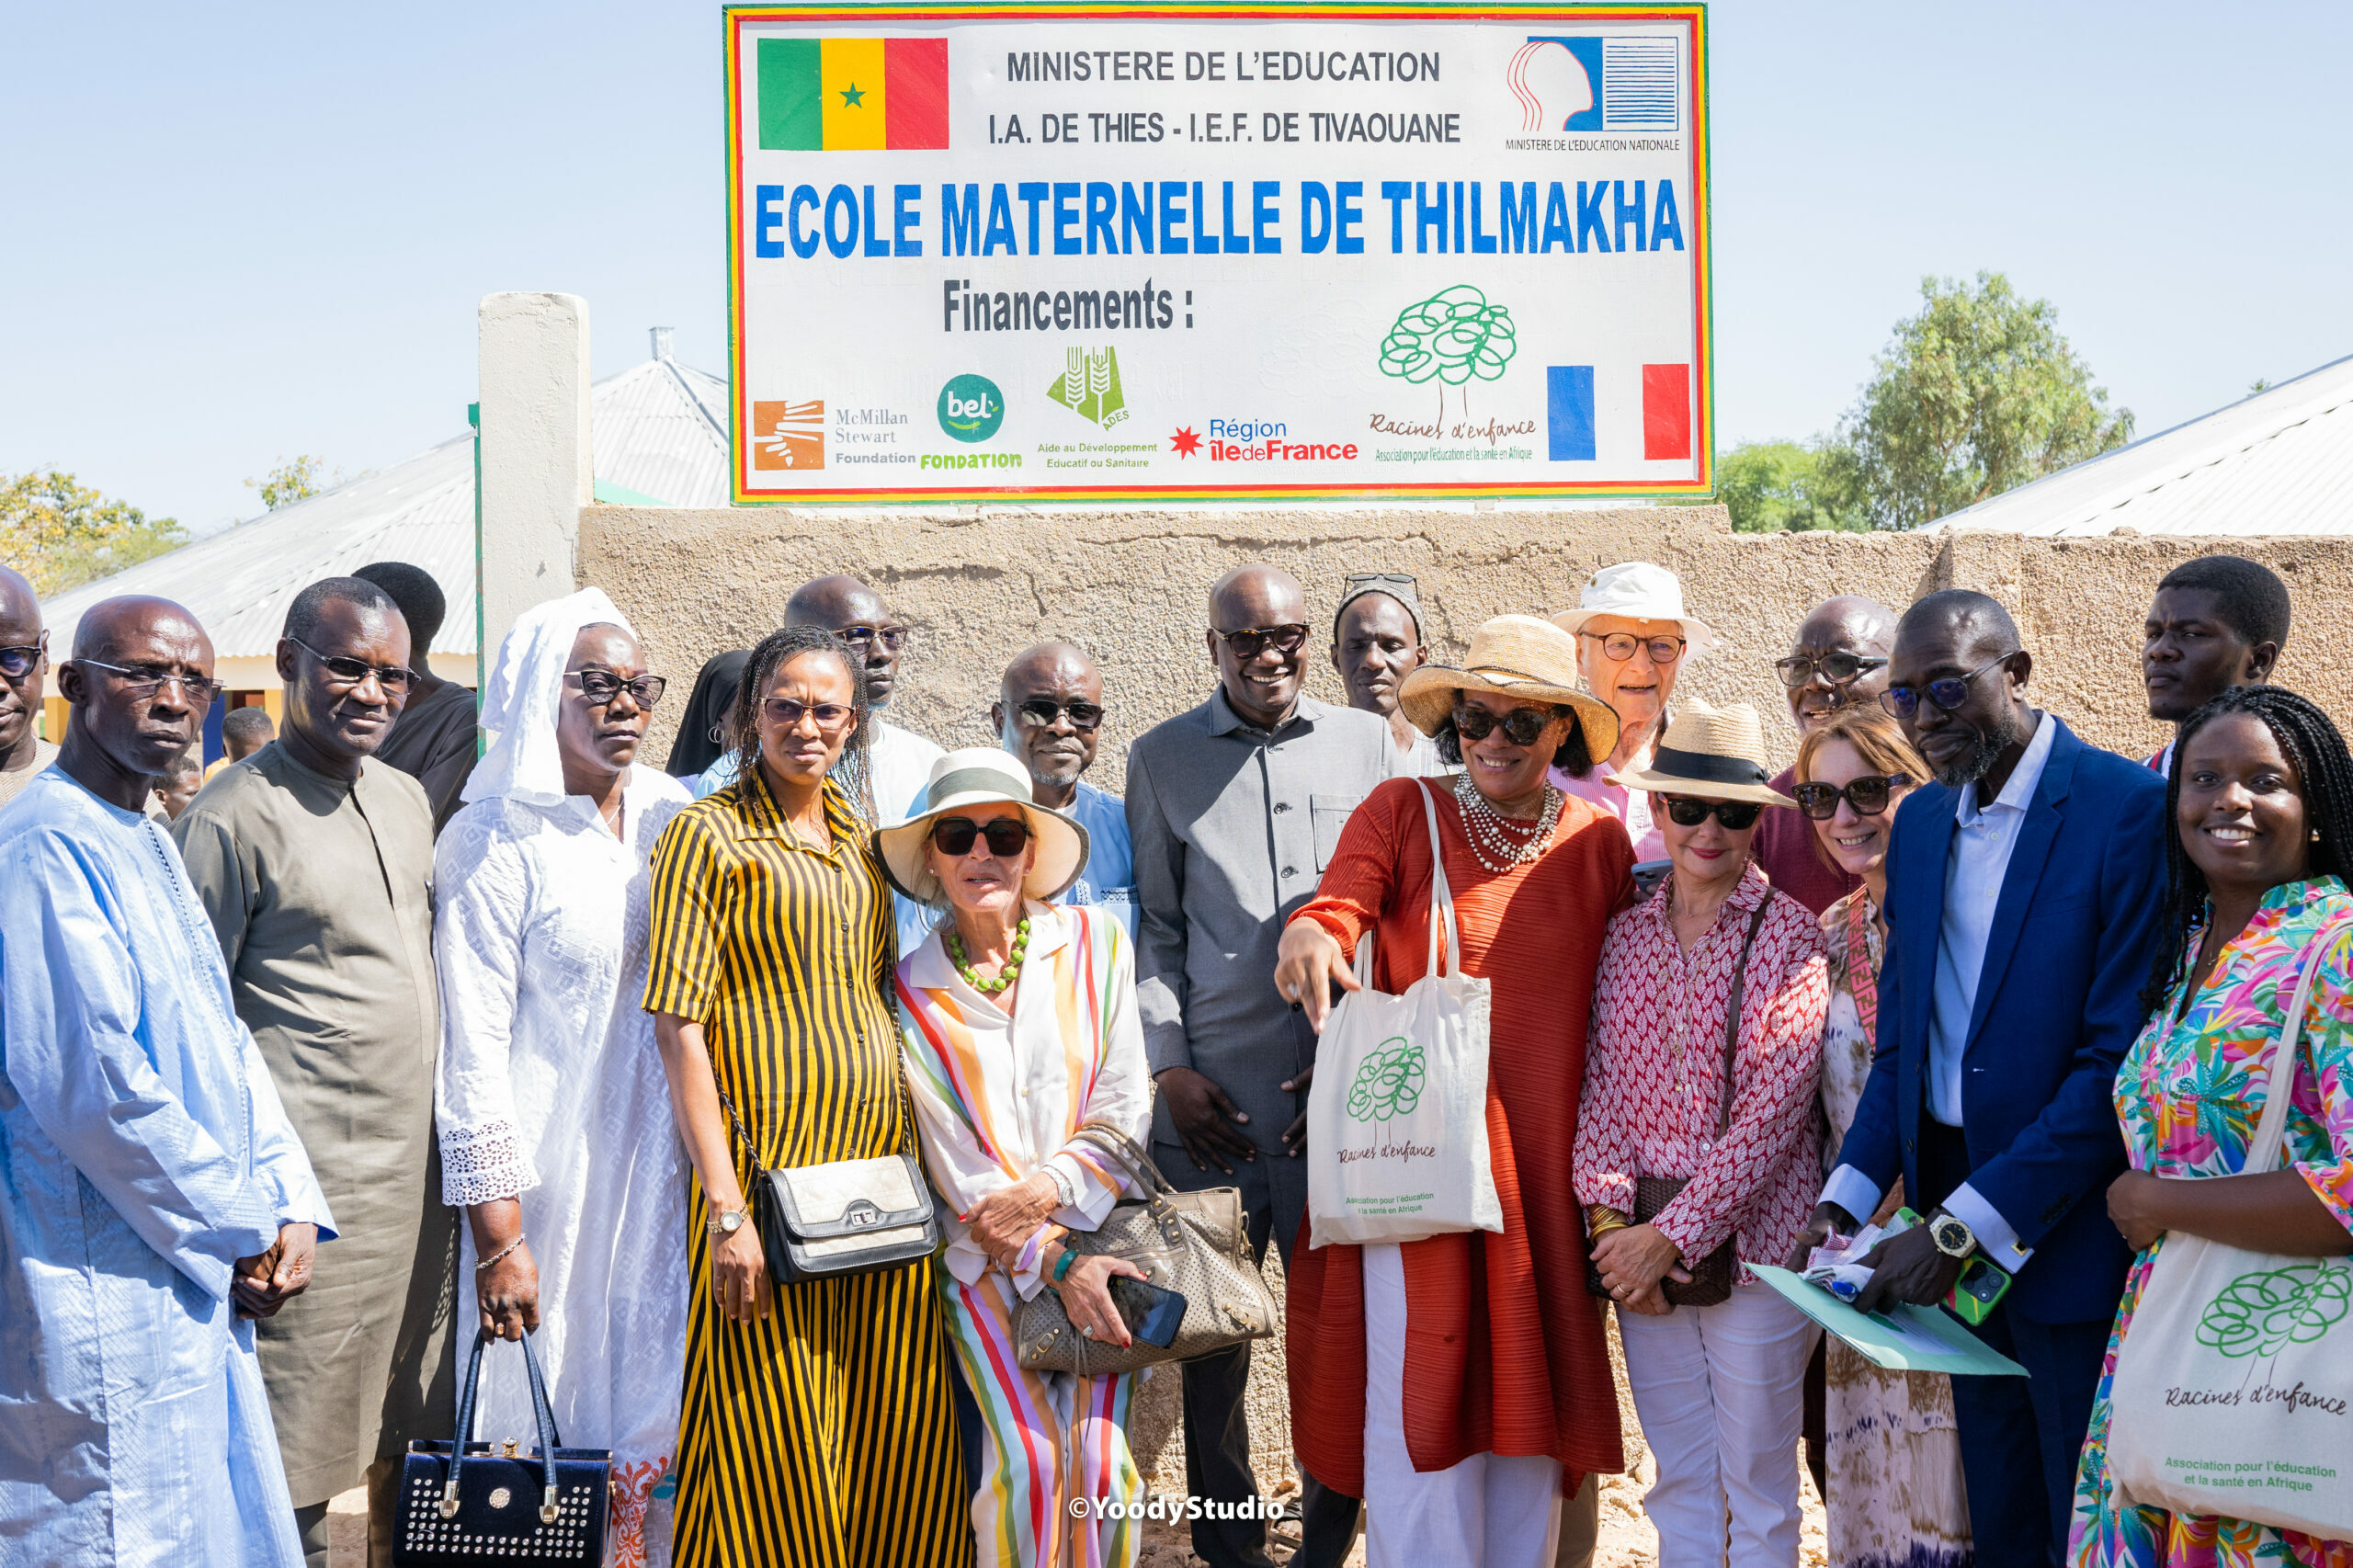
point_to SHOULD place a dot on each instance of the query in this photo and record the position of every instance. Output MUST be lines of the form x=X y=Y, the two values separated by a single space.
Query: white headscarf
x=521 y=759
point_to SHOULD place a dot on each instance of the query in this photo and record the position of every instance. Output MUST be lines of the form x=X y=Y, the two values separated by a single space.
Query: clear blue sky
x=239 y=233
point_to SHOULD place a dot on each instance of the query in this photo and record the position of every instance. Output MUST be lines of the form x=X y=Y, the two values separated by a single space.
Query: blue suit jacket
x=2057 y=1006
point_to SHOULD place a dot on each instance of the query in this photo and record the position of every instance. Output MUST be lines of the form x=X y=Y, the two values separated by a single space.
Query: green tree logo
x=1453 y=338
x=2264 y=1312
x=1388 y=1082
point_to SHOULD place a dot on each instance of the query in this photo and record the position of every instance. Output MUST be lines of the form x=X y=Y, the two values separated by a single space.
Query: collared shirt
x=1109 y=878
x=1231 y=827
x=1976 y=867
x=1631 y=807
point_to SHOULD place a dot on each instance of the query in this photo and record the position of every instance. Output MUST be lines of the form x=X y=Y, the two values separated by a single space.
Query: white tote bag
x=2234 y=1388
x=1397 y=1114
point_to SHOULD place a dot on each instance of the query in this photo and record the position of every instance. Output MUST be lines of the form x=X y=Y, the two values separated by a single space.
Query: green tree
x=296 y=479
x=1975 y=394
x=1776 y=485
x=61 y=534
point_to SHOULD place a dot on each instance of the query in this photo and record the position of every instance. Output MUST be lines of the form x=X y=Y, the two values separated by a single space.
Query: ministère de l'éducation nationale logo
x=971 y=408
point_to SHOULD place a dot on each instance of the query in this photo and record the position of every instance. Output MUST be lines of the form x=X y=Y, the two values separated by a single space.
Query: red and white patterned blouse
x=1654 y=1073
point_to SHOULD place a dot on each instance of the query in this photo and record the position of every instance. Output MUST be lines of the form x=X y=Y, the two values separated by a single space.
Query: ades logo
x=971 y=408
x=1090 y=386
x=1595 y=83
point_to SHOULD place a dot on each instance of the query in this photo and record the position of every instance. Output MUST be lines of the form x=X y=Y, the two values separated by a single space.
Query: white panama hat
x=1638 y=590
x=970 y=776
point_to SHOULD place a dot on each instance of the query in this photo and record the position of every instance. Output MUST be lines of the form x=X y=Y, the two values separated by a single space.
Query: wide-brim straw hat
x=1514 y=655
x=1637 y=590
x=1709 y=754
x=971 y=776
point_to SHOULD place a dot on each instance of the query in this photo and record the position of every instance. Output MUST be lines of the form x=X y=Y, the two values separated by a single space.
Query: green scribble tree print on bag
x=2262 y=1314
x=1388 y=1082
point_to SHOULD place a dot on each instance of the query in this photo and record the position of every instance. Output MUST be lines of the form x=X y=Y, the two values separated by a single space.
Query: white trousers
x=1491 y=1510
x=1719 y=1391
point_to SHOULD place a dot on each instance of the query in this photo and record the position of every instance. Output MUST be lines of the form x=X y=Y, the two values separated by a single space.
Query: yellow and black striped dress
x=825 y=1435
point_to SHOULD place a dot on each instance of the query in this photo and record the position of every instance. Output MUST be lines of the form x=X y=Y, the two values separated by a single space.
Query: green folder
x=1912 y=1339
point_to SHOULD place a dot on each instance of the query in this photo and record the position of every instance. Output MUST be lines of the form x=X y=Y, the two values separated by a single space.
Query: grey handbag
x=1195 y=1244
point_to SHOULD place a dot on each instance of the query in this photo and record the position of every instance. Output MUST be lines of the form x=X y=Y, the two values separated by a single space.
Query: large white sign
x=1287 y=251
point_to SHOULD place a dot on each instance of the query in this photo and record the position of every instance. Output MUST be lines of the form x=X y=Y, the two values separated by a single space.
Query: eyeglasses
x=953 y=836
x=1621 y=646
x=1867 y=796
x=1042 y=711
x=1520 y=726
x=1737 y=815
x=394 y=678
x=1948 y=693
x=1356 y=580
x=1835 y=669
x=891 y=637
x=146 y=680
x=1247 y=645
x=16 y=663
x=600 y=686
x=787 y=714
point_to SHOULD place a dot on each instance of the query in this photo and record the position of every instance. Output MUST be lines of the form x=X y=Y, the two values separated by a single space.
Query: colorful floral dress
x=1895 y=1498
x=2189 y=1095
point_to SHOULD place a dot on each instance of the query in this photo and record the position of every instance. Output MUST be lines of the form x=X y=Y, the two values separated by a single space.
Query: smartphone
x=1648 y=874
x=1152 y=1314
x=1978 y=1290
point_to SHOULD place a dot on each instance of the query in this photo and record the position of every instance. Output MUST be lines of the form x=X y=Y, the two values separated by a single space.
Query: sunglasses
x=1948 y=693
x=1621 y=646
x=1835 y=669
x=16 y=663
x=1867 y=796
x=1250 y=644
x=1042 y=711
x=143 y=681
x=953 y=836
x=891 y=637
x=1737 y=815
x=394 y=678
x=1520 y=726
x=787 y=714
x=600 y=686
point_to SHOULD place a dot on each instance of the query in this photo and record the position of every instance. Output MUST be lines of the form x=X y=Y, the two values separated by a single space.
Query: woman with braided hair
x=2260 y=797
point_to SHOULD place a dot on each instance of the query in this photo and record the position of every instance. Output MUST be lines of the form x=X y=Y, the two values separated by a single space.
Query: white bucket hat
x=1638 y=591
x=970 y=776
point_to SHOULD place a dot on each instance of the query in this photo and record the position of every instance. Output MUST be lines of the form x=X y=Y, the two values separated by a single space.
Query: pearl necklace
x=1490 y=832
x=1006 y=976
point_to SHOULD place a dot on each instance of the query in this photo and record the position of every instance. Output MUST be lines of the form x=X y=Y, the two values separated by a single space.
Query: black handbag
x=843 y=1217
x=464 y=1503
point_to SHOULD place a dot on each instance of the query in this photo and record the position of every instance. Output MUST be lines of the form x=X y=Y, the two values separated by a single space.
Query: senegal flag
x=836 y=94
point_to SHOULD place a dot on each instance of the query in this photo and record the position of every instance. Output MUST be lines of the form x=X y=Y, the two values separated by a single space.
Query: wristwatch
x=727 y=1222
x=1952 y=1235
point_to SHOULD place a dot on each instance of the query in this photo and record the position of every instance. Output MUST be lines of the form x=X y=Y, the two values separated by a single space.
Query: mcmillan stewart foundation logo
x=789 y=435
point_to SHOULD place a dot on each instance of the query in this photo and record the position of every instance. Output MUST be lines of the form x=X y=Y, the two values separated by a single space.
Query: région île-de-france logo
x=1090 y=386
x=789 y=435
x=837 y=95
x=1597 y=82
x=1185 y=442
x=971 y=408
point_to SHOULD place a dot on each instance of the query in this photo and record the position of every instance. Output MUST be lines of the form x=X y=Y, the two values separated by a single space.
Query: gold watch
x=727 y=1222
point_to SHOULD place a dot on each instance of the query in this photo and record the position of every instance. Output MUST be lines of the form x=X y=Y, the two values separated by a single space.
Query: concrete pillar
x=535 y=469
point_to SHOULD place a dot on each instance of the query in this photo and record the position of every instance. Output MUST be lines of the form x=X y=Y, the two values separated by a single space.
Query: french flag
x=1571 y=434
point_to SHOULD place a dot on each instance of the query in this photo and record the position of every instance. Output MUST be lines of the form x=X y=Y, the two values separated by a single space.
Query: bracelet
x=502 y=1252
x=1064 y=1190
x=1061 y=1264
x=1601 y=1220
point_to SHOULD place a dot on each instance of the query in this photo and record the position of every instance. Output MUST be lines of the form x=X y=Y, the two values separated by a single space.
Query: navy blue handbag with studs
x=464 y=1503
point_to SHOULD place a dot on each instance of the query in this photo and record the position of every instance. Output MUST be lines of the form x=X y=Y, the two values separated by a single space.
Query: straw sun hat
x=971 y=776
x=1638 y=591
x=1516 y=656
x=1709 y=754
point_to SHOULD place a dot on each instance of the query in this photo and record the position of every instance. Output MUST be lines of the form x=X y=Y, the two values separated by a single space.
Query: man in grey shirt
x=1233 y=810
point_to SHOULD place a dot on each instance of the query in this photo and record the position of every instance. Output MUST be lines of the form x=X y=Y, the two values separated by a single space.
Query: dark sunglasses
x=16 y=663
x=600 y=686
x=392 y=679
x=1948 y=693
x=1835 y=669
x=1250 y=644
x=1621 y=646
x=1520 y=726
x=143 y=681
x=1044 y=711
x=787 y=714
x=891 y=637
x=1737 y=815
x=1867 y=796
x=953 y=836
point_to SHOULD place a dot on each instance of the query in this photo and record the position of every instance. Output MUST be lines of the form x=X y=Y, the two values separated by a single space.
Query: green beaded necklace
x=1012 y=971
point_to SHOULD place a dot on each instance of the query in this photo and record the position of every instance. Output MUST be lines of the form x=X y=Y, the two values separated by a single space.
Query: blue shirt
x=1109 y=875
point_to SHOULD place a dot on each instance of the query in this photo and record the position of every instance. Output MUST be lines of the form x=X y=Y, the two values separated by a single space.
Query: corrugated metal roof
x=658 y=429
x=2278 y=462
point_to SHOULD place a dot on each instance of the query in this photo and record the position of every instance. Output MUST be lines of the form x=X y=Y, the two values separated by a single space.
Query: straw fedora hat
x=1638 y=591
x=1517 y=655
x=1709 y=754
x=971 y=776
